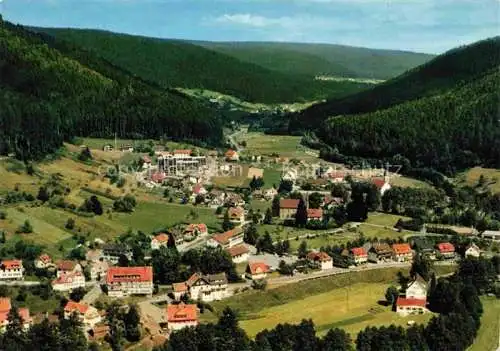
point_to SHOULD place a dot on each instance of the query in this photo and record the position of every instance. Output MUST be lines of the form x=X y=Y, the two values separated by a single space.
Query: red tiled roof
x=359 y=252
x=66 y=278
x=183 y=152
x=230 y=153
x=44 y=258
x=158 y=177
x=202 y=227
x=5 y=307
x=5 y=304
x=129 y=274
x=181 y=313
x=197 y=188
x=235 y=211
x=162 y=237
x=237 y=250
x=446 y=247
x=379 y=182
x=289 y=203
x=180 y=287
x=73 y=306
x=314 y=213
x=319 y=256
x=223 y=238
x=11 y=264
x=402 y=301
x=400 y=249
x=258 y=268
x=193 y=279
x=66 y=265
x=336 y=175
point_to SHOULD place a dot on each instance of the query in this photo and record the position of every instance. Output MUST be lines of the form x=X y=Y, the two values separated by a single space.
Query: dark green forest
x=51 y=91
x=434 y=77
x=177 y=63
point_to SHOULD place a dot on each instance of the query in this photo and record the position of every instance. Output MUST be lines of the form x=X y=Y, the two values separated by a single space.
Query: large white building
x=11 y=270
x=5 y=307
x=228 y=239
x=124 y=281
x=69 y=281
x=206 y=288
x=181 y=316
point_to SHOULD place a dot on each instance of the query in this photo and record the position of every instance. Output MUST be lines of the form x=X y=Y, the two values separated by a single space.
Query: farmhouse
x=321 y=258
x=5 y=307
x=257 y=270
x=314 y=214
x=69 y=281
x=402 y=252
x=89 y=316
x=43 y=262
x=359 y=255
x=417 y=289
x=159 y=240
x=112 y=252
x=382 y=184
x=124 y=281
x=181 y=316
x=447 y=250
x=380 y=252
x=493 y=235
x=206 y=288
x=227 y=239
x=67 y=267
x=288 y=208
x=239 y=253
x=406 y=306
x=472 y=251
x=231 y=155
x=193 y=230
x=236 y=215
x=11 y=270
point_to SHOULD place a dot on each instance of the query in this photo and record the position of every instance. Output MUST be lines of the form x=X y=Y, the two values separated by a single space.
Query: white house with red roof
x=124 y=281
x=199 y=189
x=257 y=270
x=402 y=252
x=321 y=258
x=43 y=262
x=239 y=253
x=11 y=270
x=232 y=155
x=288 y=208
x=181 y=316
x=314 y=214
x=227 y=239
x=359 y=255
x=195 y=229
x=181 y=153
x=88 y=315
x=158 y=177
x=5 y=307
x=67 y=266
x=69 y=281
x=236 y=215
x=447 y=250
x=406 y=306
x=382 y=184
x=159 y=240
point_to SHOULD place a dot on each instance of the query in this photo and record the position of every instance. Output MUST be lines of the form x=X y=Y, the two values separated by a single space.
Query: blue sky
x=432 y=26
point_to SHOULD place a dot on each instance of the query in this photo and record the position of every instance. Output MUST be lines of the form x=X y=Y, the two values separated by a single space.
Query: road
x=93 y=294
x=233 y=142
x=20 y=283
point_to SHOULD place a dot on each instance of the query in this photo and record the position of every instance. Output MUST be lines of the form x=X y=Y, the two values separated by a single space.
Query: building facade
x=125 y=281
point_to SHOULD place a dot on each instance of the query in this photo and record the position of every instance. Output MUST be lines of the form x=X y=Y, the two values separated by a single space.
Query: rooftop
x=289 y=203
x=182 y=313
x=129 y=274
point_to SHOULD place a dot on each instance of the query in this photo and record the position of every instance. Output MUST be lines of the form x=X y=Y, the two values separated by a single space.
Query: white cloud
x=247 y=19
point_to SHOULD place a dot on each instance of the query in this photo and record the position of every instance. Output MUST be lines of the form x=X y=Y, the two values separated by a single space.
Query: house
x=359 y=255
x=66 y=267
x=231 y=155
x=425 y=248
x=182 y=153
x=88 y=315
x=127 y=148
x=290 y=175
x=209 y=287
x=124 y=281
x=493 y=235
x=158 y=177
x=417 y=289
x=402 y=252
x=216 y=198
x=98 y=270
x=194 y=230
x=159 y=240
x=146 y=162
x=321 y=258
x=269 y=194
x=99 y=332
x=314 y=214
x=406 y=306
x=198 y=189
x=5 y=307
x=43 y=262
x=181 y=316
x=234 y=200
x=472 y=251
x=335 y=176
x=288 y=208
x=11 y=270
x=107 y=147
x=112 y=252
x=380 y=252
x=239 y=253
x=446 y=250
x=236 y=215
x=227 y=239
x=382 y=184
x=69 y=281
x=257 y=270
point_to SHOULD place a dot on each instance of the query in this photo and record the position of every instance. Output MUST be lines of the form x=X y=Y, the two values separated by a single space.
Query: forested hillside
x=454 y=130
x=441 y=74
x=51 y=91
x=175 y=63
x=322 y=59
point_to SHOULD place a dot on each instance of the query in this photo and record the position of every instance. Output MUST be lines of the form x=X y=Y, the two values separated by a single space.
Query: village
x=317 y=198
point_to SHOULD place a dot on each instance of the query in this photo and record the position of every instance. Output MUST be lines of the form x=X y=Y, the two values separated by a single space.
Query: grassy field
x=471 y=177
x=407 y=182
x=385 y=219
x=272 y=177
x=487 y=337
x=283 y=145
x=370 y=231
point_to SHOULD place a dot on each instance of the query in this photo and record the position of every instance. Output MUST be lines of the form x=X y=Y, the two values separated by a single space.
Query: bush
x=120 y=183
x=125 y=204
x=26 y=228
x=259 y=284
x=70 y=224
x=3 y=215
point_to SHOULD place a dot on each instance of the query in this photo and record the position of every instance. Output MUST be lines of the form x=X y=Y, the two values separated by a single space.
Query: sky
x=431 y=26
